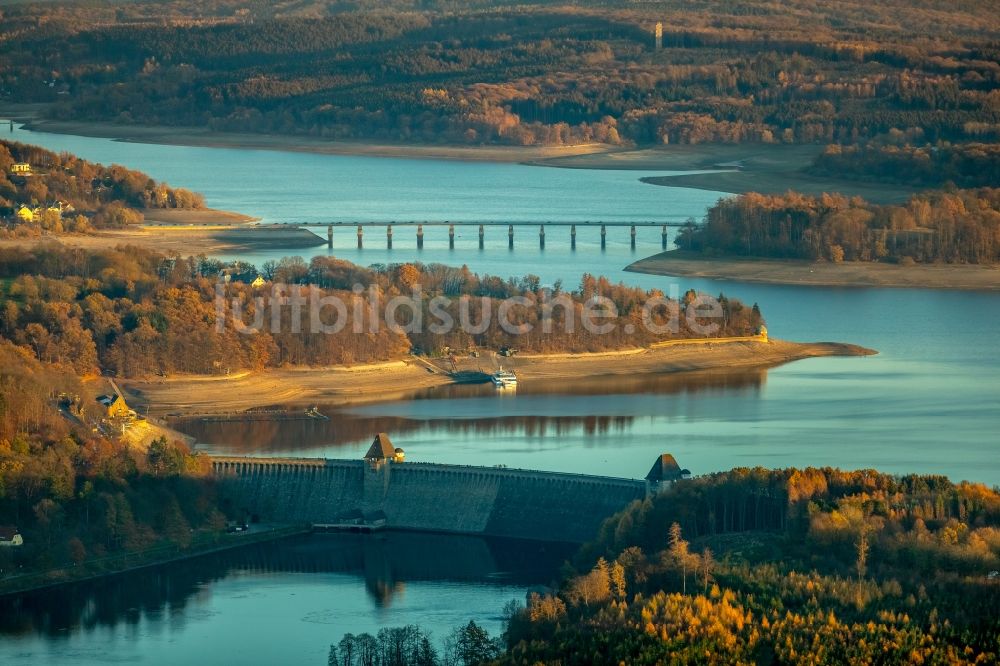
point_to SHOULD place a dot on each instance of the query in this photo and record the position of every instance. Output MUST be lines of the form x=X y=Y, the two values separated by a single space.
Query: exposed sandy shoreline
x=199 y=217
x=186 y=395
x=737 y=168
x=734 y=168
x=31 y=116
x=224 y=232
x=807 y=273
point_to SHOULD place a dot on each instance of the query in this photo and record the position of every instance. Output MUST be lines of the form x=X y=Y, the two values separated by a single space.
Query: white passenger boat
x=504 y=379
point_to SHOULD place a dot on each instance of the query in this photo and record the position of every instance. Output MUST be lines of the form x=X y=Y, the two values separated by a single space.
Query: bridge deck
x=493 y=223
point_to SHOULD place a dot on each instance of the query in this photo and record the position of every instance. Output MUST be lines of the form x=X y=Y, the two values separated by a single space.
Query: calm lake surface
x=928 y=403
x=277 y=603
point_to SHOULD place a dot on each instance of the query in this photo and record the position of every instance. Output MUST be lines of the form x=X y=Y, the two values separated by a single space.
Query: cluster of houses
x=35 y=213
x=113 y=410
x=226 y=277
x=25 y=213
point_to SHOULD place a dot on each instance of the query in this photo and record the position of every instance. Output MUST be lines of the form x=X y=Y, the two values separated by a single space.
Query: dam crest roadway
x=382 y=491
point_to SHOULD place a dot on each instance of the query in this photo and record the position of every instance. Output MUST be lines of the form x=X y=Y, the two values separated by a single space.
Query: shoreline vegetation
x=799 y=272
x=58 y=197
x=128 y=561
x=946 y=238
x=731 y=168
x=32 y=117
x=186 y=395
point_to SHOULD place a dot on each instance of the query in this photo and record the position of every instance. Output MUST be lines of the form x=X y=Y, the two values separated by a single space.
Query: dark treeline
x=962 y=165
x=960 y=226
x=91 y=194
x=531 y=73
x=136 y=312
x=411 y=646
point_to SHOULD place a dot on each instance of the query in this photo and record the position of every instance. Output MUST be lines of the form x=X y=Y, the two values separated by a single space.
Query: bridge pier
x=604 y=237
x=361 y=234
x=572 y=237
x=633 y=236
x=482 y=236
x=541 y=237
x=329 y=236
x=451 y=236
x=388 y=237
x=510 y=236
x=420 y=236
x=663 y=237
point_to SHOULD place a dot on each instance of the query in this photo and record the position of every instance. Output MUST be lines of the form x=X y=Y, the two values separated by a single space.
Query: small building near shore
x=10 y=537
x=114 y=406
x=20 y=169
x=25 y=214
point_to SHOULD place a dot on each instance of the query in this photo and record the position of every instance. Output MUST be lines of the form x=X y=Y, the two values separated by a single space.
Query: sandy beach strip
x=733 y=168
x=187 y=395
x=33 y=117
x=179 y=238
x=195 y=217
x=972 y=277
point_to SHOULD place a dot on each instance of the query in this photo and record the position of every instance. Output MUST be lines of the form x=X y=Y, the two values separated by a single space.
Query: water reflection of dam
x=386 y=562
x=347 y=428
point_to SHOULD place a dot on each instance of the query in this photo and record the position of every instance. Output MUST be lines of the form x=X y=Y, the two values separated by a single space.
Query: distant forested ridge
x=961 y=226
x=65 y=192
x=525 y=73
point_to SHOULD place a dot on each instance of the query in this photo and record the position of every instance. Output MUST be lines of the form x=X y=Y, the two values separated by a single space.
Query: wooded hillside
x=961 y=226
x=524 y=73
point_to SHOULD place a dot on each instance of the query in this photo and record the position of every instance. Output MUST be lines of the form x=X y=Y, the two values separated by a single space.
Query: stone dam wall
x=548 y=506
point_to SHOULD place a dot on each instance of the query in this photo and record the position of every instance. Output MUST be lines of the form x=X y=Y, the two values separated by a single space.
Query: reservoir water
x=928 y=403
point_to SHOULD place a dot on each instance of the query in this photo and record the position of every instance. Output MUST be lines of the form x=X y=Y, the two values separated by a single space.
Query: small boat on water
x=504 y=379
x=314 y=413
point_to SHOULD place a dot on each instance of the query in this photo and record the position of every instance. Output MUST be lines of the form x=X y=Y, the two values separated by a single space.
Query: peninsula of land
x=678 y=263
x=190 y=395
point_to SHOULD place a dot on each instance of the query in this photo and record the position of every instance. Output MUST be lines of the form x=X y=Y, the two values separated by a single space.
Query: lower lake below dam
x=929 y=402
x=281 y=602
